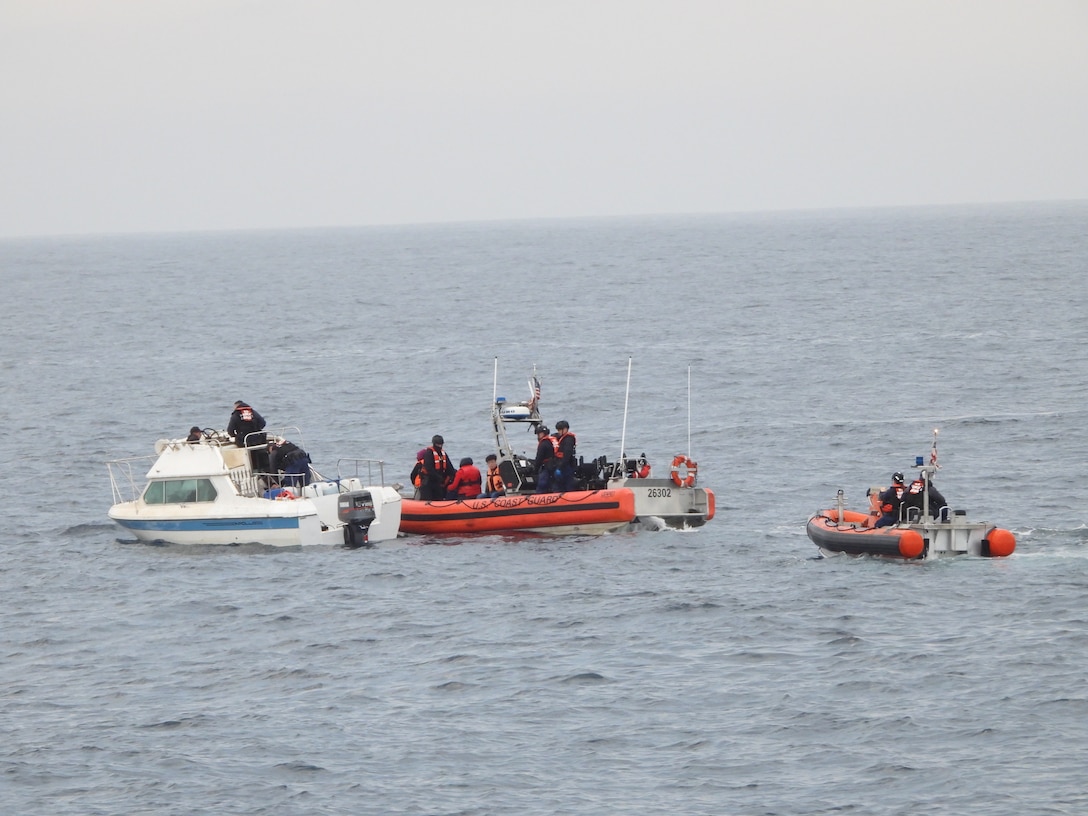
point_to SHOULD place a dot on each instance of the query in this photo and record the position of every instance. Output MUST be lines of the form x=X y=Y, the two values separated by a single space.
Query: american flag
x=534 y=386
x=933 y=450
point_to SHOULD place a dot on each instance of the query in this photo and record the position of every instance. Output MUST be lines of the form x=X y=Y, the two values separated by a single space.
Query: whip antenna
x=626 y=396
x=689 y=412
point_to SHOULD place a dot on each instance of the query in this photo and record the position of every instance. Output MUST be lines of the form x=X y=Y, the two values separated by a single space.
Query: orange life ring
x=285 y=494
x=689 y=465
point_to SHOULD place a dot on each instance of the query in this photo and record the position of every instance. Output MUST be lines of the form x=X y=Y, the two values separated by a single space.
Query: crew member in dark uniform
x=245 y=426
x=195 y=434
x=545 y=459
x=913 y=497
x=293 y=461
x=565 y=448
x=435 y=471
x=890 y=499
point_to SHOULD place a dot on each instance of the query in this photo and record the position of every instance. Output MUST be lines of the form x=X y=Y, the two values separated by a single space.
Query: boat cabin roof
x=180 y=460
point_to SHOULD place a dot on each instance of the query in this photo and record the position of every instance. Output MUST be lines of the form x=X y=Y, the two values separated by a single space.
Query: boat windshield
x=179 y=491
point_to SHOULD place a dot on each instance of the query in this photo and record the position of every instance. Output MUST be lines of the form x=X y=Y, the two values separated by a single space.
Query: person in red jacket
x=466 y=481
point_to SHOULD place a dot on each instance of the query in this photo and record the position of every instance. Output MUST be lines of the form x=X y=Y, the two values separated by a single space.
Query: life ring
x=285 y=494
x=692 y=469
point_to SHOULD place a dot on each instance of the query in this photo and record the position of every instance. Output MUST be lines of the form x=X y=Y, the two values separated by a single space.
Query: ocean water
x=727 y=670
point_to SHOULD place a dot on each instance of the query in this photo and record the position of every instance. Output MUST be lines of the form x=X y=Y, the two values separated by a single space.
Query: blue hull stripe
x=220 y=524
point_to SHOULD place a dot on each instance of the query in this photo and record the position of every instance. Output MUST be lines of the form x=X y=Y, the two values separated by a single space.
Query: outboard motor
x=356 y=510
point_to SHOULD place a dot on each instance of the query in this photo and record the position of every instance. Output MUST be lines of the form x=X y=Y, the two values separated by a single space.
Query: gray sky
x=137 y=115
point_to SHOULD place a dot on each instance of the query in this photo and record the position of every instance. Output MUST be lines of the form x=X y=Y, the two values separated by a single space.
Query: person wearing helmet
x=435 y=471
x=890 y=499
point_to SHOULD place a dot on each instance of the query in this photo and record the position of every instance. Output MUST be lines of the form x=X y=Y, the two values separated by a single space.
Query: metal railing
x=124 y=483
x=352 y=468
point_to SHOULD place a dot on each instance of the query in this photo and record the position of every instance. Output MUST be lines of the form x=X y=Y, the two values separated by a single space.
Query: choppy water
x=725 y=670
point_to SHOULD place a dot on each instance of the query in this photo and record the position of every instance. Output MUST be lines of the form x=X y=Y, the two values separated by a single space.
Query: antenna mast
x=626 y=397
x=689 y=412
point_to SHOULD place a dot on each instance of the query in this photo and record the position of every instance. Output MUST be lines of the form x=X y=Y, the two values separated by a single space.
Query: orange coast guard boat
x=849 y=532
x=572 y=512
x=918 y=534
x=674 y=500
x=606 y=496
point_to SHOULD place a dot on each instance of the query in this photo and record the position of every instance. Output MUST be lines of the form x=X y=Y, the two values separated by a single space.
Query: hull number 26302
x=659 y=492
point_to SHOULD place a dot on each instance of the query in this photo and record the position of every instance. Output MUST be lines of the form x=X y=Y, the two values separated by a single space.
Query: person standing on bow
x=545 y=459
x=890 y=499
x=435 y=471
x=245 y=428
x=565 y=449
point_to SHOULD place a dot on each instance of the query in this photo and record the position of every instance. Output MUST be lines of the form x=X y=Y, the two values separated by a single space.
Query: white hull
x=206 y=494
x=675 y=507
x=299 y=523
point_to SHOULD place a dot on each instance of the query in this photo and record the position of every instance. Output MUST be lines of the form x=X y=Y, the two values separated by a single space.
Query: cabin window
x=179 y=491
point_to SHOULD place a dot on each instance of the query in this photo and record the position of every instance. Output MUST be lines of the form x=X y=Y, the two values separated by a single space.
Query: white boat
x=674 y=501
x=207 y=492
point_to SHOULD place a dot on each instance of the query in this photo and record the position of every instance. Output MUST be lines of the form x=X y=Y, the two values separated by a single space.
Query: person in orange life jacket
x=245 y=426
x=913 y=497
x=195 y=434
x=545 y=459
x=435 y=472
x=493 y=483
x=890 y=499
x=565 y=448
x=466 y=481
x=293 y=461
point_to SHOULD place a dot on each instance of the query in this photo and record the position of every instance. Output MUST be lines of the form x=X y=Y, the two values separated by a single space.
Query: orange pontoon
x=577 y=511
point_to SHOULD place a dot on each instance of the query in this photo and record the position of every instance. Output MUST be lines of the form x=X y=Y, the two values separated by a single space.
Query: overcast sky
x=148 y=115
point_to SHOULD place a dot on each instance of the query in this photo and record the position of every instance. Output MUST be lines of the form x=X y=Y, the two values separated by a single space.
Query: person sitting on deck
x=913 y=499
